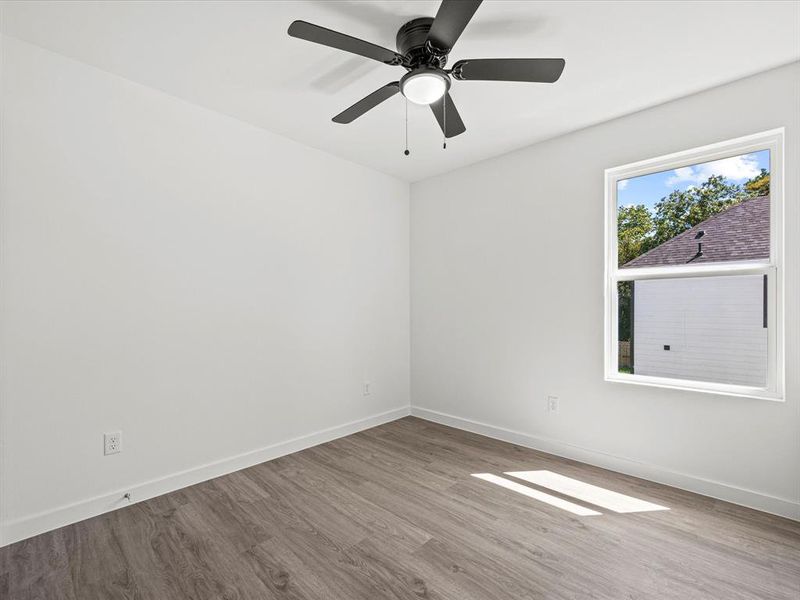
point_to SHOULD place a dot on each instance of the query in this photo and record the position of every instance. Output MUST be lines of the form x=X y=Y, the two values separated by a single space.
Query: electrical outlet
x=366 y=389
x=552 y=404
x=112 y=443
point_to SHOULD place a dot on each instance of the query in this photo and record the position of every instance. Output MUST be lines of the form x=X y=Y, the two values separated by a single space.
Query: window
x=694 y=278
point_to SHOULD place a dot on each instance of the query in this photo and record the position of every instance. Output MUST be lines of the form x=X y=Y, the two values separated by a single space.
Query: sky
x=649 y=189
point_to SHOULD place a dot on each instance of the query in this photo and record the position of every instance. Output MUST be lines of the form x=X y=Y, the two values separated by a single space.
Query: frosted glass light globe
x=424 y=88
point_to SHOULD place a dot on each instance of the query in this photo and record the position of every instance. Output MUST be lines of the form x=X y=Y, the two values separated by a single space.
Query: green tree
x=682 y=210
x=634 y=232
x=758 y=185
x=624 y=295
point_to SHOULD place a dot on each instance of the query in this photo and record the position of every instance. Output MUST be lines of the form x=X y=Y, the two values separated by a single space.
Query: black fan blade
x=448 y=114
x=359 y=108
x=451 y=19
x=340 y=41
x=538 y=70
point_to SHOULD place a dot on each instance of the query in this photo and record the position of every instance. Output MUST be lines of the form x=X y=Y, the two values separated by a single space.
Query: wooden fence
x=625 y=355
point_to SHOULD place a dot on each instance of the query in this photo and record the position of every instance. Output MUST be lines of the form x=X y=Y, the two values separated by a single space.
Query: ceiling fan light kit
x=423 y=47
x=424 y=85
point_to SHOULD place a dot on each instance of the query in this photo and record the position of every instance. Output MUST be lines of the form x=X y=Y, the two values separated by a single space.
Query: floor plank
x=394 y=512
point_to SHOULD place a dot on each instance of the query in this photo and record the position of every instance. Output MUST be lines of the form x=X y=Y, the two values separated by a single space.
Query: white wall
x=206 y=287
x=714 y=327
x=507 y=306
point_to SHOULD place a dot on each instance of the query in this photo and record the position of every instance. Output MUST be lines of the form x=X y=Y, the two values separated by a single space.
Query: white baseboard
x=20 y=529
x=715 y=489
x=25 y=527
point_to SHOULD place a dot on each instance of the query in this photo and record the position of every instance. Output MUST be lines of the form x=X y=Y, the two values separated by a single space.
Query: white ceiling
x=236 y=58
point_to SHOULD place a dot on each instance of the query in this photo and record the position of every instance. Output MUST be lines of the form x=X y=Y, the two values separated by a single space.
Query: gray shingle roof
x=738 y=233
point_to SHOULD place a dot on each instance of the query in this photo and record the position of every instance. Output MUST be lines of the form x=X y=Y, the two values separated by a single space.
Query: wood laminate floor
x=394 y=512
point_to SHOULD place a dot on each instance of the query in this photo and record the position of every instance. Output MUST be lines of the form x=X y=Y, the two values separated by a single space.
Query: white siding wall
x=713 y=326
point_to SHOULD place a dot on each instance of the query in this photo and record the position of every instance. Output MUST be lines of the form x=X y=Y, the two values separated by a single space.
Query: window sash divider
x=708 y=270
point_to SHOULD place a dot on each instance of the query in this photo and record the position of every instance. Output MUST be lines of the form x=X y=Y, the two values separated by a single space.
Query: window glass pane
x=697 y=328
x=703 y=213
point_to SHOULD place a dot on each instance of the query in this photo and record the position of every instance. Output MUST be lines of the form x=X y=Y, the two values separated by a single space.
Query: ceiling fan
x=424 y=45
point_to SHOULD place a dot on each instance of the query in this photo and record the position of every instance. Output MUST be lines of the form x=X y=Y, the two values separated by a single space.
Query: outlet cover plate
x=112 y=443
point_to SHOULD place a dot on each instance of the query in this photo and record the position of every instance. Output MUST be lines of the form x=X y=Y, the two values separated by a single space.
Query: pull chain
x=406 y=151
x=444 y=113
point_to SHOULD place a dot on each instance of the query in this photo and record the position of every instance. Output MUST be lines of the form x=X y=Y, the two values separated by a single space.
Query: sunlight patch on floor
x=537 y=495
x=586 y=492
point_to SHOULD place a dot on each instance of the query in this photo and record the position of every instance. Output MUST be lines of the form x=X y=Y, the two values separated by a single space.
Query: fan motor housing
x=411 y=43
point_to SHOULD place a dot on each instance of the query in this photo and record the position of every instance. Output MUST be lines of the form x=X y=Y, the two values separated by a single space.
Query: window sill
x=697 y=386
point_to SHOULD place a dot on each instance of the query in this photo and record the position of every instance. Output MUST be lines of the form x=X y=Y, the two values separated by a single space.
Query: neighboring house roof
x=738 y=233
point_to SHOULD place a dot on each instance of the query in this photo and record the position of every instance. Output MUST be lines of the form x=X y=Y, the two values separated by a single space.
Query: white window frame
x=773 y=141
